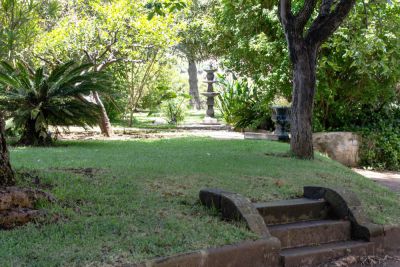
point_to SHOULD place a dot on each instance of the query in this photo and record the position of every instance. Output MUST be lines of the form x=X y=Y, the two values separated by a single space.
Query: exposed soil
x=17 y=206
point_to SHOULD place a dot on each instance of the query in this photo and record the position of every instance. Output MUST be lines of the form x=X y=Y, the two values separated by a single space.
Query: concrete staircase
x=309 y=232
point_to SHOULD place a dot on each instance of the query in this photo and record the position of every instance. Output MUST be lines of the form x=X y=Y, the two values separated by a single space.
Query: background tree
x=110 y=34
x=248 y=38
x=194 y=44
x=303 y=47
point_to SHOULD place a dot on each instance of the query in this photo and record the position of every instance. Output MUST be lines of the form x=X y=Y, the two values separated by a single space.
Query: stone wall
x=339 y=146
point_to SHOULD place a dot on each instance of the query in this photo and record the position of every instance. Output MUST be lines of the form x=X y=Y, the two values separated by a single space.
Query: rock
x=160 y=121
x=339 y=146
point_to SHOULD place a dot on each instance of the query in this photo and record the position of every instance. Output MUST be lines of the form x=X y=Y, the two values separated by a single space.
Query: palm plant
x=38 y=98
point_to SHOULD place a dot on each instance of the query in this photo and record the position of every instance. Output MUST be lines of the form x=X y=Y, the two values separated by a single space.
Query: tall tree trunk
x=303 y=43
x=104 y=123
x=193 y=85
x=304 y=83
x=7 y=177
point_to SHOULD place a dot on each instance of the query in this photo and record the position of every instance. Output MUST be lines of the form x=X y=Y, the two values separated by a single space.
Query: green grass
x=141 y=199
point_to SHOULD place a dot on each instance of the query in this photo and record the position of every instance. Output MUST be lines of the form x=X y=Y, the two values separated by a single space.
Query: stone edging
x=259 y=253
x=346 y=205
x=235 y=207
x=391 y=240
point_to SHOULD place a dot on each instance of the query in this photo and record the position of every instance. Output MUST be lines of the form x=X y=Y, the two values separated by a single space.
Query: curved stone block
x=346 y=205
x=235 y=207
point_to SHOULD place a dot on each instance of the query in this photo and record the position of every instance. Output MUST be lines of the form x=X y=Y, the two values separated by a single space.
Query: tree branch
x=305 y=14
x=110 y=45
x=285 y=12
x=109 y=62
x=325 y=8
x=326 y=24
x=89 y=58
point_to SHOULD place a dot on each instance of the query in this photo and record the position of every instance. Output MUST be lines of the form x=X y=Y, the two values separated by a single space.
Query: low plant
x=160 y=93
x=36 y=99
x=243 y=105
x=174 y=109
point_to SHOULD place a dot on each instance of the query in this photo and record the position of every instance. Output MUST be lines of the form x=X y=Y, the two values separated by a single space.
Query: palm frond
x=60 y=70
x=51 y=97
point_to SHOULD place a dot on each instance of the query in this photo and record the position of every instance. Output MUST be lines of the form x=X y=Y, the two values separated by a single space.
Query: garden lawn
x=127 y=201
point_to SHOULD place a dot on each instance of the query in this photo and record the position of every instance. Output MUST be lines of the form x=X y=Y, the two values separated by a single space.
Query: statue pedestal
x=210 y=121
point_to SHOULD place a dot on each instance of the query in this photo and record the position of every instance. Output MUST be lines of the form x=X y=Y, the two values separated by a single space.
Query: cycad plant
x=36 y=99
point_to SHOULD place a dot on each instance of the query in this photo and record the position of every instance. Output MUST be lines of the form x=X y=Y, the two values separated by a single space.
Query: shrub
x=174 y=109
x=38 y=98
x=242 y=105
x=380 y=148
x=157 y=96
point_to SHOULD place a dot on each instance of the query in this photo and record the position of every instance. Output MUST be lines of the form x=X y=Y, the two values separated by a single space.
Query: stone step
x=312 y=256
x=311 y=233
x=294 y=210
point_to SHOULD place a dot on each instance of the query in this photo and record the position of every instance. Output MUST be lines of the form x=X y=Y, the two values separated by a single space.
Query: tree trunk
x=303 y=45
x=31 y=137
x=193 y=85
x=7 y=177
x=104 y=123
x=304 y=83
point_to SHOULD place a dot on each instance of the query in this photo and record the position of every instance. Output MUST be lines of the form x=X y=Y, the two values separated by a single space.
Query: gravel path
x=388 y=179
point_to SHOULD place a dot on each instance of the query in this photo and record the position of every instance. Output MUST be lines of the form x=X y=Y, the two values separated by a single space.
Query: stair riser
x=314 y=259
x=293 y=213
x=312 y=235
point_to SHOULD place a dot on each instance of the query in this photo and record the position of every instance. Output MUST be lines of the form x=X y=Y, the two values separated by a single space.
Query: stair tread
x=306 y=224
x=289 y=202
x=293 y=210
x=324 y=247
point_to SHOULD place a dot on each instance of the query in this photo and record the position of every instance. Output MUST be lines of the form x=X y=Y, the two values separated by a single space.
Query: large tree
x=357 y=67
x=193 y=45
x=303 y=44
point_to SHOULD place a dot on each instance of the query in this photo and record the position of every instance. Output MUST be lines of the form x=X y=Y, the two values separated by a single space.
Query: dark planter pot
x=281 y=118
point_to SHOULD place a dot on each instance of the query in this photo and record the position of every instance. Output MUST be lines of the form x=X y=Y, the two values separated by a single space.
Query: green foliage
x=381 y=141
x=248 y=37
x=156 y=97
x=18 y=26
x=195 y=34
x=161 y=8
x=39 y=98
x=358 y=69
x=174 y=108
x=242 y=105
